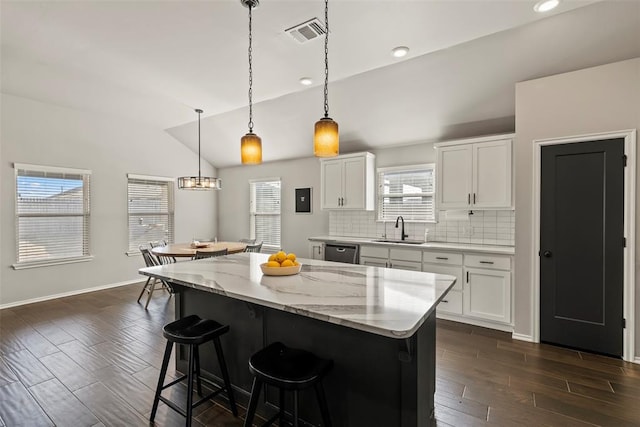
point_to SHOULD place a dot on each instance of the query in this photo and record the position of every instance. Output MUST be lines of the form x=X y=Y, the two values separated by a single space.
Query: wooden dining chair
x=150 y=285
x=253 y=248
x=210 y=254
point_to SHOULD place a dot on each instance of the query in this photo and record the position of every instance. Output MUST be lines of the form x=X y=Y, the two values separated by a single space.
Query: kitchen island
x=377 y=324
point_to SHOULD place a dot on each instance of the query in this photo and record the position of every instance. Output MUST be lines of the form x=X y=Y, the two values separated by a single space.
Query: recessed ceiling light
x=306 y=81
x=545 y=5
x=400 y=51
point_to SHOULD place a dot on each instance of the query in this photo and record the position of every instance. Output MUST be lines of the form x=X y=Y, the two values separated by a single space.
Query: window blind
x=151 y=211
x=407 y=191
x=265 y=212
x=52 y=214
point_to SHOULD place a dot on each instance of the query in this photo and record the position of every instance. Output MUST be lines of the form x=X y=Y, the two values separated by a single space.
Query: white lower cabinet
x=487 y=295
x=487 y=288
x=481 y=294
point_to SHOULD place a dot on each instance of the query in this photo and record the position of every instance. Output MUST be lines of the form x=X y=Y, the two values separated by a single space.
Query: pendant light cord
x=250 y=76
x=199 y=174
x=326 y=59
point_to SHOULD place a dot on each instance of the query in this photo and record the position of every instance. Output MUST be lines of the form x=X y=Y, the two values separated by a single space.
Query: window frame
x=85 y=215
x=406 y=168
x=267 y=247
x=171 y=207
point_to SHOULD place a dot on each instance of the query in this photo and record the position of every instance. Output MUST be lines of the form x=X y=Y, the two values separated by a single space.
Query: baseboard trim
x=637 y=360
x=522 y=337
x=69 y=294
x=475 y=322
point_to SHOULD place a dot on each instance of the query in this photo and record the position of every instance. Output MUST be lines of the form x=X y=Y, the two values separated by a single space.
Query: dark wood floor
x=93 y=360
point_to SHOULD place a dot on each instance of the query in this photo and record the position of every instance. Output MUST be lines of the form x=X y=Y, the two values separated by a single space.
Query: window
x=151 y=206
x=407 y=191
x=264 y=209
x=52 y=215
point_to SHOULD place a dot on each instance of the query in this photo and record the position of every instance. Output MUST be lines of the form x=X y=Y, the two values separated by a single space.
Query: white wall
x=233 y=208
x=44 y=134
x=599 y=99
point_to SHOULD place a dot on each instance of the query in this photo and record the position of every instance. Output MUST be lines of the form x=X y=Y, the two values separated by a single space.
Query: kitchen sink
x=409 y=242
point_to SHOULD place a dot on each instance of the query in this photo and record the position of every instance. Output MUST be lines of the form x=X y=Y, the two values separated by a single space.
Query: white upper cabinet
x=348 y=182
x=475 y=173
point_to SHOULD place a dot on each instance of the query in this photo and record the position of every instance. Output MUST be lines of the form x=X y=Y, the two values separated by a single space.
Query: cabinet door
x=487 y=295
x=354 y=183
x=331 y=184
x=316 y=250
x=454 y=177
x=492 y=174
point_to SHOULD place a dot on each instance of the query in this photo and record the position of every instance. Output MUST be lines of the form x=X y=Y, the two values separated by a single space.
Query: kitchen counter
x=393 y=303
x=464 y=247
x=378 y=325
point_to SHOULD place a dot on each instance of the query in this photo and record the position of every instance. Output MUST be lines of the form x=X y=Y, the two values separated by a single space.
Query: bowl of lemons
x=281 y=264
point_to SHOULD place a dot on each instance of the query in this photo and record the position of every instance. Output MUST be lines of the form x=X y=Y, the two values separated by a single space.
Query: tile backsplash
x=479 y=227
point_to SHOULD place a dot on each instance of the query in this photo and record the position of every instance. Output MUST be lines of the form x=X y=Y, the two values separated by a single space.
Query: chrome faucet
x=402 y=235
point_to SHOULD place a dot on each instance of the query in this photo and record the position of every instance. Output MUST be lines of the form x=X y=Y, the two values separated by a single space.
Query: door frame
x=628 y=309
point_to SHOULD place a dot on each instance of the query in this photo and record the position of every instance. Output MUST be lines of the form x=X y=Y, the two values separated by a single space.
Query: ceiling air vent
x=307 y=31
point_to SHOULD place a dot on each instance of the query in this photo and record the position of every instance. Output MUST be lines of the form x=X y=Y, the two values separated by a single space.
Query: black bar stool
x=193 y=331
x=288 y=369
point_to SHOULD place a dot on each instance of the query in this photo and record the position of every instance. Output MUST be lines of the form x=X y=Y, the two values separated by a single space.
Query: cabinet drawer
x=406 y=265
x=406 y=255
x=445 y=269
x=374 y=262
x=451 y=303
x=442 y=258
x=374 y=251
x=488 y=261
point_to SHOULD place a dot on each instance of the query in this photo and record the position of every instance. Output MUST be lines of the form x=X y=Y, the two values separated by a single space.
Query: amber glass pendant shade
x=326 y=139
x=251 y=149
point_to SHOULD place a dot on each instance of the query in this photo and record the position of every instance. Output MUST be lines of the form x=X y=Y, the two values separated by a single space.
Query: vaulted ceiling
x=155 y=61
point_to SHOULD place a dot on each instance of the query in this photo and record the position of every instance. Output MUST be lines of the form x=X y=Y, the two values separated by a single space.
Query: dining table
x=184 y=250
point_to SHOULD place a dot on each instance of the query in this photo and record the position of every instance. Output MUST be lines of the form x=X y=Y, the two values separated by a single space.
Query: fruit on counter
x=282 y=259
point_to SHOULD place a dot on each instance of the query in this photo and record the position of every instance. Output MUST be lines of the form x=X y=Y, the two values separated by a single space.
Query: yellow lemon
x=291 y=256
x=287 y=263
x=296 y=263
x=272 y=257
x=273 y=264
x=280 y=256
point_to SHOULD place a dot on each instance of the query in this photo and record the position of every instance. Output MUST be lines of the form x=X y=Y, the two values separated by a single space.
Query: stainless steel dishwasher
x=342 y=252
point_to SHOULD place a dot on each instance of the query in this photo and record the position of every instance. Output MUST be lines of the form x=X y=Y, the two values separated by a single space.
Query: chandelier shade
x=251 y=149
x=326 y=138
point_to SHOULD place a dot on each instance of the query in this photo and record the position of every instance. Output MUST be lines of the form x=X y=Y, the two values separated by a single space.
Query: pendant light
x=250 y=144
x=326 y=140
x=199 y=182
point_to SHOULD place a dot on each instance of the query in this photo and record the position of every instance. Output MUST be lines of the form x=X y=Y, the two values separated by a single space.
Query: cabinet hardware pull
x=445 y=300
x=474 y=198
x=467 y=277
x=486 y=262
x=442 y=257
x=341 y=250
x=468 y=198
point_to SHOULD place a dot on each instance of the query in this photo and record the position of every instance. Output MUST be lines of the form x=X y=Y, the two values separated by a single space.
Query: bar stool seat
x=193 y=331
x=288 y=369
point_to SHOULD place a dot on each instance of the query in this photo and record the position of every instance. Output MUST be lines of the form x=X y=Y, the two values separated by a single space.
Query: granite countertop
x=465 y=247
x=383 y=301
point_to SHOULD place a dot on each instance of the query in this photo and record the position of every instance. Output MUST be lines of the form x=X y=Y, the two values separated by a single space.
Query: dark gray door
x=582 y=244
